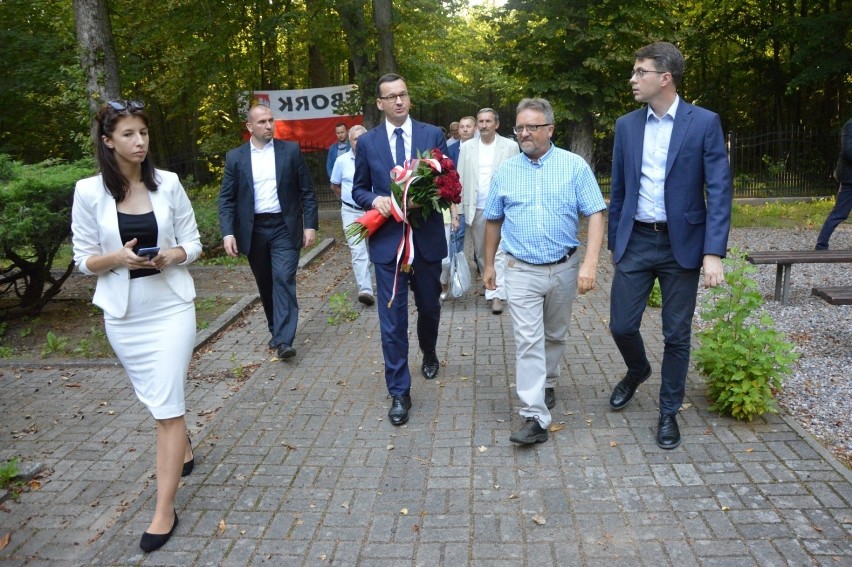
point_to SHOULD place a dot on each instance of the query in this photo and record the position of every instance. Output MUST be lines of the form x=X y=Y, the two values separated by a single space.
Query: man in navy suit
x=389 y=144
x=268 y=211
x=669 y=215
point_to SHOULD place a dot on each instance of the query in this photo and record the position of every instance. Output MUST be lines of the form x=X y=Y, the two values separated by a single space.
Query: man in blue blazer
x=390 y=143
x=268 y=211
x=669 y=216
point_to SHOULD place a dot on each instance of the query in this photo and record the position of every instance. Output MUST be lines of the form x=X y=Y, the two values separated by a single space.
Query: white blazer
x=468 y=169
x=94 y=228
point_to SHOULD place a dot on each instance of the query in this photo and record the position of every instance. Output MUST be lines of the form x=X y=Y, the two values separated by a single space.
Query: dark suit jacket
x=698 y=189
x=373 y=162
x=296 y=194
x=453 y=152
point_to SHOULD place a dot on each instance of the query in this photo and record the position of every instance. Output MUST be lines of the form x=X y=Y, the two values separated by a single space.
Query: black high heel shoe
x=190 y=464
x=152 y=542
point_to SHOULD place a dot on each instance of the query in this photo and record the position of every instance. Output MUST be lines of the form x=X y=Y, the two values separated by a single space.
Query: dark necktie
x=400 y=147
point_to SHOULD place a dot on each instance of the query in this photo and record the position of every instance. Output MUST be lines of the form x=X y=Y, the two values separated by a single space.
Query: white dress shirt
x=265 y=182
x=655 y=150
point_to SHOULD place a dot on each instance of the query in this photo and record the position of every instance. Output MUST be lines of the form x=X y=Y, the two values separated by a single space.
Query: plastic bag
x=459 y=271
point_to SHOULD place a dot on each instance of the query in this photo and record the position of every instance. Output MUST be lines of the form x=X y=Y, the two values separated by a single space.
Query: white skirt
x=154 y=342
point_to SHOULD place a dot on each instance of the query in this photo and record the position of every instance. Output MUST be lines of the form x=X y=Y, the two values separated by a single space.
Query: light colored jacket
x=94 y=227
x=468 y=169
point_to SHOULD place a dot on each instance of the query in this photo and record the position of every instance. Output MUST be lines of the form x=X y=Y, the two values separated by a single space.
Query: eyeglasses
x=393 y=97
x=641 y=73
x=126 y=105
x=529 y=128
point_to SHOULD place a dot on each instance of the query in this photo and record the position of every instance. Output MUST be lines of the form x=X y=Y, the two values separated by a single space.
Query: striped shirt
x=540 y=204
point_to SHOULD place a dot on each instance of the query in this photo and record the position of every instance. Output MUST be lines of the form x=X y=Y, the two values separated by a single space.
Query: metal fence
x=795 y=162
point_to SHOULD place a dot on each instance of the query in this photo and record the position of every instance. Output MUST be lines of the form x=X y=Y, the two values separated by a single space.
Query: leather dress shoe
x=190 y=464
x=496 y=306
x=398 y=412
x=285 y=352
x=152 y=542
x=549 y=397
x=430 y=365
x=530 y=433
x=271 y=343
x=624 y=390
x=668 y=433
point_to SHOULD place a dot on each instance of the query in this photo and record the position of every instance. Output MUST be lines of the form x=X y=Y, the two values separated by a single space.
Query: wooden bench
x=785 y=260
x=834 y=295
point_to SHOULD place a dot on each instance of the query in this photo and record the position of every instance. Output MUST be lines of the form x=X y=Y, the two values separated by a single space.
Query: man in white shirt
x=341 y=183
x=478 y=158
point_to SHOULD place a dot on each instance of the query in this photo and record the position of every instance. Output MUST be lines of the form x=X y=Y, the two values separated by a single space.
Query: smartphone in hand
x=149 y=252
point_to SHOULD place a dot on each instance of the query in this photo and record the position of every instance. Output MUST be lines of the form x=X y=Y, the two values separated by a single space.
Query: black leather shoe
x=271 y=344
x=624 y=390
x=152 y=542
x=530 y=433
x=398 y=412
x=549 y=397
x=668 y=434
x=285 y=352
x=190 y=464
x=430 y=365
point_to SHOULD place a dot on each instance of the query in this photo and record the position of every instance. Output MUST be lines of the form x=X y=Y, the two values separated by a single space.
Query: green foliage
x=742 y=356
x=781 y=214
x=206 y=206
x=656 y=297
x=341 y=309
x=35 y=213
x=54 y=344
x=8 y=472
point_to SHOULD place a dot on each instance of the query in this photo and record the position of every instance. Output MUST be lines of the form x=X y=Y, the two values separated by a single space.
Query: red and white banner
x=308 y=115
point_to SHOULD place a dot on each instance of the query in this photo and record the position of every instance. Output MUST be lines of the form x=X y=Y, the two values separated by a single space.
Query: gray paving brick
x=295 y=460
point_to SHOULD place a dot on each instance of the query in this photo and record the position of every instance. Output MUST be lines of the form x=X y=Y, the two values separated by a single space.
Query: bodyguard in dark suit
x=669 y=215
x=268 y=211
x=379 y=150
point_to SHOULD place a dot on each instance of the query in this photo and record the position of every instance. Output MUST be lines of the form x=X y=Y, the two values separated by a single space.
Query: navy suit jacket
x=373 y=163
x=296 y=194
x=698 y=189
x=453 y=152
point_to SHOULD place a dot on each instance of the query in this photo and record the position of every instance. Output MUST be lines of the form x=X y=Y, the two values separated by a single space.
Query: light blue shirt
x=655 y=150
x=343 y=174
x=540 y=204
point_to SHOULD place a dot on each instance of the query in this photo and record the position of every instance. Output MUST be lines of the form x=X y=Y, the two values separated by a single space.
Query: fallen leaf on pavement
x=556 y=427
x=613 y=444
x=404 y=511
x=483 y=448
x=539 y=519
x=4 y=540
x=221 y=527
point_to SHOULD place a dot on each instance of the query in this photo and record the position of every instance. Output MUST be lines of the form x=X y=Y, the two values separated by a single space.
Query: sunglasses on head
x=126 y=105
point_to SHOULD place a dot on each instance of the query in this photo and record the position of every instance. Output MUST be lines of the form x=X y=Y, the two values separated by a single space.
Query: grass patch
x=780 y=214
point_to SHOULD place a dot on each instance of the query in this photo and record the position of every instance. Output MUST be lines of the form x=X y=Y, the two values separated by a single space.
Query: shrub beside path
x=296 y=463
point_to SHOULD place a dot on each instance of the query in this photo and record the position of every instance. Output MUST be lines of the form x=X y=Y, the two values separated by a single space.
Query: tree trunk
x=363 y=73
x=383 y=17
x=97 y=55
x=582 y=139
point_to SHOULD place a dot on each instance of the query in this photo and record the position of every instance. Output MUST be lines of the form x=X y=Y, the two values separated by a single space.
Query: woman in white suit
x=147 y=297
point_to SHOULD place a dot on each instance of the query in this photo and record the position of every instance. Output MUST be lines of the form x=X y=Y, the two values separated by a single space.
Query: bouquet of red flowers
x=421 y=186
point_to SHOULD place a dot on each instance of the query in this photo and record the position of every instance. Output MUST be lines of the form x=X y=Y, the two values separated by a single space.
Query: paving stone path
x=297 y=464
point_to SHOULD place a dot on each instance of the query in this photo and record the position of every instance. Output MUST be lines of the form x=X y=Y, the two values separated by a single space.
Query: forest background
x=763 y=65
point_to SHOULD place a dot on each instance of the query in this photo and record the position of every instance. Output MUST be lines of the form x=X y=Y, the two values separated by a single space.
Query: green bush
x=742 y=356
x=656 y=297
x=206 y=209
x=35 y=216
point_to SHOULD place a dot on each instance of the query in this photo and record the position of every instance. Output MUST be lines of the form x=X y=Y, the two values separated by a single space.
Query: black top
x=144 y=228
